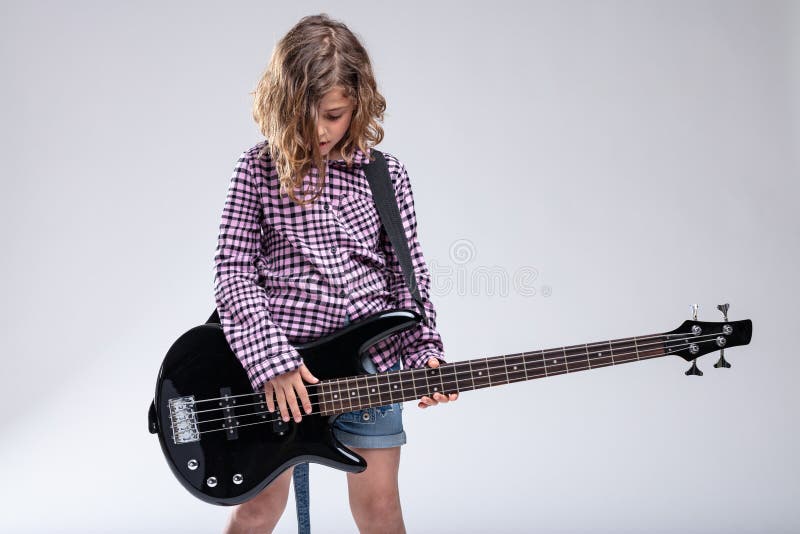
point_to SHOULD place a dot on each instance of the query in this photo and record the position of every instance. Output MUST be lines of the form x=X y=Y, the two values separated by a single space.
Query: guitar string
x=450 y=379
x=536 y=365
x=524 y=354
x=273 y=420
x=337 y=382
x=455 y=381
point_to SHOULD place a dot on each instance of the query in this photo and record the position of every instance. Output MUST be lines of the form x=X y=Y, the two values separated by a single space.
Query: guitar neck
x=355 y=393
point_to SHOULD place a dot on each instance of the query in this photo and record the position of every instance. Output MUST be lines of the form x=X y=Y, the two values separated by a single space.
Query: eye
x=334 y=118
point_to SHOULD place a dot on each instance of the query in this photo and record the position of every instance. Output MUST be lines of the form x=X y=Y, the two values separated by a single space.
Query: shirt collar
x=359 y=159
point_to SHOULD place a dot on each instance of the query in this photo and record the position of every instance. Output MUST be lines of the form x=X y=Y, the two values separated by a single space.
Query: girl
x=302 y=252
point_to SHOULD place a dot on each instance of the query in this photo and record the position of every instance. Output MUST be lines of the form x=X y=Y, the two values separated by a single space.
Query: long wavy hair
x=316 y=55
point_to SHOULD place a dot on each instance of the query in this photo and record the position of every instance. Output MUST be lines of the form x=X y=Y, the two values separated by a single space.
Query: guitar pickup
x=278 y=425
x=229 y=421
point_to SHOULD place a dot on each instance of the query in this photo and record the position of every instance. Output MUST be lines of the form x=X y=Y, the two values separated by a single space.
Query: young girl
x=302 y=252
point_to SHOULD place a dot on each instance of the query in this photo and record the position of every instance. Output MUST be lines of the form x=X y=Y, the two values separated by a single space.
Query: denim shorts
x=378 y=427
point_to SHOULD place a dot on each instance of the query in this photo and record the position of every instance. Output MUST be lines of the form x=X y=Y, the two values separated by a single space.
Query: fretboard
x=358 y=392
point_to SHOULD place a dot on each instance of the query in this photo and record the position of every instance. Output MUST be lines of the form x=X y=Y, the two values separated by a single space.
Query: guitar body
x=230 y=464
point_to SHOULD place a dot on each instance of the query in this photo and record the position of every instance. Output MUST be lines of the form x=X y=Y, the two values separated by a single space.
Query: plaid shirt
x=285 y=274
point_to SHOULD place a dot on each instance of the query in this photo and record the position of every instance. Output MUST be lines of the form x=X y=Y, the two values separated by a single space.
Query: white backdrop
x=631 y=157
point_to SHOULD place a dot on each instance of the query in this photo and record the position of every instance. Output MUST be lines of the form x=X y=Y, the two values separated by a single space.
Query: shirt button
x=343 y=293
x=326 y=206
x=333 y=249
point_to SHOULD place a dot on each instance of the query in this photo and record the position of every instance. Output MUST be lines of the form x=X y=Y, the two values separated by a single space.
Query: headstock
x=694 y=338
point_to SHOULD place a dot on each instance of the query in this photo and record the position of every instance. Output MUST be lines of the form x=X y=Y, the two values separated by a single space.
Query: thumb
x=306 y=375
x=433 y=363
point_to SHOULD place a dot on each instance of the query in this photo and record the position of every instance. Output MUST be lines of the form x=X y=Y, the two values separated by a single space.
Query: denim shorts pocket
x=365 y=416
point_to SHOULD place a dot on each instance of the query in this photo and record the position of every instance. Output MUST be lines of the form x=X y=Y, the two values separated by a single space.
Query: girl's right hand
x=287 y=388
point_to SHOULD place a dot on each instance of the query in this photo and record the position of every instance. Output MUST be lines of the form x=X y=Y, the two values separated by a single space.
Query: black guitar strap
x=389 y=211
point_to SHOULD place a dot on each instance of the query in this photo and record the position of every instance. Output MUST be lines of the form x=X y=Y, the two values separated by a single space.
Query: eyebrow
x=335 y=109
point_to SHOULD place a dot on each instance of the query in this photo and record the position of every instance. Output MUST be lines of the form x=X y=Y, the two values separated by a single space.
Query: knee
x=261 y=513
x=377 y=511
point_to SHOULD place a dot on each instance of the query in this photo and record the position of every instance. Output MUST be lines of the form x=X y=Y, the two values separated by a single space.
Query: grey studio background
x=628 y=158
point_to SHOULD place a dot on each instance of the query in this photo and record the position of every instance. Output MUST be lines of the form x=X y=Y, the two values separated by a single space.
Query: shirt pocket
x=359 y=216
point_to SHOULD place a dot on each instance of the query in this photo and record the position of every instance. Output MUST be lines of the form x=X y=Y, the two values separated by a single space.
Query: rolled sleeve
x=259 y=344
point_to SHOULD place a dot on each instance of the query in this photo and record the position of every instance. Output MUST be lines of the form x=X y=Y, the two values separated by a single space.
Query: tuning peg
x=694 y=370
x=722 y=362
x=695 y=309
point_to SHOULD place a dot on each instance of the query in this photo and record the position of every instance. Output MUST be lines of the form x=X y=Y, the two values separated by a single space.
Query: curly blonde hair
x=315 y=56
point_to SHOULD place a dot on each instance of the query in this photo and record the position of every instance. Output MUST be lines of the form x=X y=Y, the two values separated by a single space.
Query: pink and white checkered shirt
x=285 y=274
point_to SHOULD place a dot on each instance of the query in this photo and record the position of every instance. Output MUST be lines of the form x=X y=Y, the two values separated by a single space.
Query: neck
x=358 y=392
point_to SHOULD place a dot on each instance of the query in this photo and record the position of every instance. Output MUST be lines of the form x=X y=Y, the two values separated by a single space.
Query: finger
x=425 y=402
x=281 y=396
x=454 y=396
x=302 y=392
x=307 y=376
x=291 y=398
x=441 y=397
x=269 y=396
x=429 y=401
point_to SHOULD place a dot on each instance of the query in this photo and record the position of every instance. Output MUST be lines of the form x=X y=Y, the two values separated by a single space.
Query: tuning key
x=722 y=362
x=694 y=370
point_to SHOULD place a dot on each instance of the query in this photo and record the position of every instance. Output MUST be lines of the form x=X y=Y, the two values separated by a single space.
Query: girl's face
x=335 y=111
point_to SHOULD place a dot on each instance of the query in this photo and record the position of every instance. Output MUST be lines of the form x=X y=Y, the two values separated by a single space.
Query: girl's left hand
x=437 y=397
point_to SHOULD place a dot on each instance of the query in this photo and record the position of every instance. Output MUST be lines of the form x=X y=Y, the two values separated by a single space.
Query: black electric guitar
x=224 y=446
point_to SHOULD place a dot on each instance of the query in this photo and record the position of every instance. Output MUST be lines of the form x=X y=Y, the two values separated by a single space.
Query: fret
x=395 y=382
x=374 y=393
x=471 y=375
x=576 y=358
x=407 y=388
x=385 y=389
x=327 y=398
x=428 y=391
x=515 y=368
x=554 y=362
x=338 y=400
x=321 y=404
x=524 y=366
x=534 y=365
x=462 y=376
x=497 y=371
x=480 y=374
x=505 y=368
x=600 y=355
x=624 y=350
x=653 y=347
x=447 y=378
x=430 y=377
x=351 y=392
x=636 y=347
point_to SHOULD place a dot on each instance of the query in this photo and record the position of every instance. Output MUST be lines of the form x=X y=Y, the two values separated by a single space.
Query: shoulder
x=397 y=169
x=257 y=165
x=257 y=158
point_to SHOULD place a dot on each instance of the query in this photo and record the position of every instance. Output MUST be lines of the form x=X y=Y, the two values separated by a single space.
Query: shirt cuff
x=264 y=371
x=420 y=359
